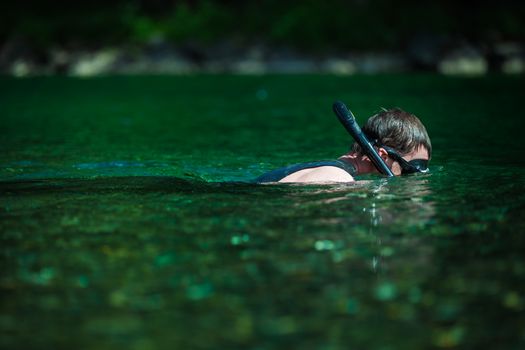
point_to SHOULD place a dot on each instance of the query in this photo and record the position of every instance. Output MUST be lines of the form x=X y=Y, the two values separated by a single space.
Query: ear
x=383 y=153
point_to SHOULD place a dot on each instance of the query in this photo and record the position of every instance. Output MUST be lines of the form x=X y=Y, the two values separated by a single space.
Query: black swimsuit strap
x=279 y=174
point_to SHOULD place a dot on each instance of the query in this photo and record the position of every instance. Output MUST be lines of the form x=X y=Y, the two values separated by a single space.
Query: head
x=399 y=136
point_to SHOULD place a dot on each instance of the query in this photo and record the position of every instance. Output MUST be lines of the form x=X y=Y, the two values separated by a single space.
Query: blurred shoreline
x=160 y=57
x=259 y=37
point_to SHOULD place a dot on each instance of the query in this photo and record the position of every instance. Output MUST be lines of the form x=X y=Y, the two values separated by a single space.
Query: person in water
x=399 y=138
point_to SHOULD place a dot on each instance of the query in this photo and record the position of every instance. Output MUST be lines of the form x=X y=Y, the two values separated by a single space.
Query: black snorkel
x=348 y=120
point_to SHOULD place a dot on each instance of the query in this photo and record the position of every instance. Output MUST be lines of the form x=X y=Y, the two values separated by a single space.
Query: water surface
x=127 y=219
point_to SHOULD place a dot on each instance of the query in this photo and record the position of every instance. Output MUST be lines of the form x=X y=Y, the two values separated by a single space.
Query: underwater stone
x=386 y=291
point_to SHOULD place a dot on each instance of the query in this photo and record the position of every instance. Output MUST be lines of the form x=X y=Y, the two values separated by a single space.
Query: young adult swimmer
x=399 y=138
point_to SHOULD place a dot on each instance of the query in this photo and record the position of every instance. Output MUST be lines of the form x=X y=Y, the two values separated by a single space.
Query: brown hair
x=398 y=129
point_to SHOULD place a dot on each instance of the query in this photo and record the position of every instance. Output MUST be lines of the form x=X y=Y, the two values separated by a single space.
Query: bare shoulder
x=319 y=174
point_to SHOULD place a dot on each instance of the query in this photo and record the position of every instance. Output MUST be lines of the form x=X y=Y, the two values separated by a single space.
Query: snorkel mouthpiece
x=348 y=120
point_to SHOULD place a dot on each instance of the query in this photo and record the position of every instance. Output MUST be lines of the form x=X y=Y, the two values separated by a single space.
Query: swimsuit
x=281 y=173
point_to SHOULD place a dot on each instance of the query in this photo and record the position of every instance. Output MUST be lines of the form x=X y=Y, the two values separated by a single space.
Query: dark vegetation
x=308 y=25
x=423 y=32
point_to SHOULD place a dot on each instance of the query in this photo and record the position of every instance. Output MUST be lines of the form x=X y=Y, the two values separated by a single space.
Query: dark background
x=203 y=29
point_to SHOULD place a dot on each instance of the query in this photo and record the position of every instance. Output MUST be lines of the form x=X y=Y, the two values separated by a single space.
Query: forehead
x=419 y=153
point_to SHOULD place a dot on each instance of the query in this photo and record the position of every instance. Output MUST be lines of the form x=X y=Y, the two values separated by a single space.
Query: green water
x=127 y=219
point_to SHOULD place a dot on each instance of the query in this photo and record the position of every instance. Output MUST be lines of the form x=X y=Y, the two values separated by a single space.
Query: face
x=419 y=153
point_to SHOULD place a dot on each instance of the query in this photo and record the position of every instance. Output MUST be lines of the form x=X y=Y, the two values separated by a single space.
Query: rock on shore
x=162 y=58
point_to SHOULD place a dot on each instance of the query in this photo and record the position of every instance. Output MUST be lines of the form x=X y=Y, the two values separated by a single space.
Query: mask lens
x=414 y=166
